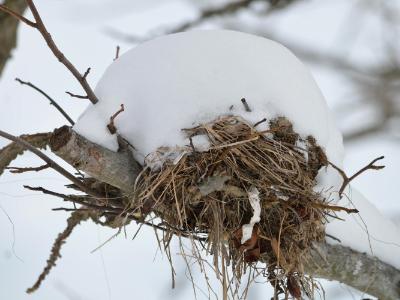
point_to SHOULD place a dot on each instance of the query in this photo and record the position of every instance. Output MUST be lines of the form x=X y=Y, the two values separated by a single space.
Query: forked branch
x=347 y=180
x=39 y=25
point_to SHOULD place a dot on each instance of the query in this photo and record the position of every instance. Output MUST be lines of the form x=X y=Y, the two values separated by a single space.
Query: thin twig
x=39 y=25
x=111 y=126
x=52 y=101
x=17 y=170
x=246 y=106
x=50 y=162
x=347 y=180
x=117 y=53
x=77 y=96
x=74 y=220
x=259 y=122
x=17 y=16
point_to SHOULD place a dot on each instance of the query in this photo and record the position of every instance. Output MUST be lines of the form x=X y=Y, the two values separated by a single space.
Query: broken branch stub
x=118 y=169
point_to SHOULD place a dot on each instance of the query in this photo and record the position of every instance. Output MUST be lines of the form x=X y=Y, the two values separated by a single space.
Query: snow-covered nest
x=265 y=189
x=250 y=197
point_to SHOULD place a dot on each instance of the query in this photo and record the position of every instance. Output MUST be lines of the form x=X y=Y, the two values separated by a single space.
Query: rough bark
x=118 y=169
x=358 y=270
x=333 y=262
x=8 y=30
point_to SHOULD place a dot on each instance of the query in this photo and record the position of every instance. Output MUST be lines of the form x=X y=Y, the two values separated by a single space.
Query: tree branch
x=11 y=151
x=358 y=270
x=39 y=25
x=22 y=143
x=118 y=169
x=52 y=101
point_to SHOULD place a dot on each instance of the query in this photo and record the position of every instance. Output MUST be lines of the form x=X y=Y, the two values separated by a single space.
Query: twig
x=111 y=126
x=86 y=73
x=347 y=180
x=259 y=122
x=39 y=25
x=52 y=164
x=77 y=96
x=11 y=151
x=246 y=106
x=74 y=220
x=17 y=170
x=52 y=101
x=117 y=53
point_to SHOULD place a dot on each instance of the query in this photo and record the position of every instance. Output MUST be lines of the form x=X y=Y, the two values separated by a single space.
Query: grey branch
x=118 y=169
x=8 y=30
x=358 y=270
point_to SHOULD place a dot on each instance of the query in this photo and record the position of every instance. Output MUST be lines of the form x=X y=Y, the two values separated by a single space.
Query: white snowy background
x=126 y=269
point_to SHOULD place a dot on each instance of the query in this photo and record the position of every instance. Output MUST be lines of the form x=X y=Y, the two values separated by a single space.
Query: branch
x=39 y=25
x=74 y=220
x=52 y=101
x=358 y=270
x=10 y=152
x=17 y=170
x=347 y=180
x=52 y=164
x=118 y=169
x=8 y=30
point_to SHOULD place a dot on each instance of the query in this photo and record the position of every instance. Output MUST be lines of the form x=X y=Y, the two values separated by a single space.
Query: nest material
x=204 y=195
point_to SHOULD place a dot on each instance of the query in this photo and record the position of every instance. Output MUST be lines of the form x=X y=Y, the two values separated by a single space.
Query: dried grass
x=204 y=196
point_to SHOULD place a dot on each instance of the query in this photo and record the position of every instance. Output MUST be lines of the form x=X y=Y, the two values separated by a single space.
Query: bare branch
x=111 y=126
x=117 y=53
x=50 y=162
x=372 y=276
x=118 y=169
x=17 y=170
x=10 y=152
x=74 y=220
x=77 y=96
x=52 y=101
x=347 y=180
x=39 y=25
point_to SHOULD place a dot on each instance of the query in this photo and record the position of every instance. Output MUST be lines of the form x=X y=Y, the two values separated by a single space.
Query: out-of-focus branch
x=10 y=152
x=8 y=30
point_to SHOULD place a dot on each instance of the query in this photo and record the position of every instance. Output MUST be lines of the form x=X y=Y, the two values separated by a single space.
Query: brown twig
x=74 y=220
x=17 y=170
x=52 y=164
x=77 y=96
x=52 y=101
x=117 y=53
x=39 y=25
x=347 y=180
x=111 y=126
x=246 y=106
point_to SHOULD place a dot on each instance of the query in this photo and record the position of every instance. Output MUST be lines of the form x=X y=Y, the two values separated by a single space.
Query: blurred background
x=350 y=46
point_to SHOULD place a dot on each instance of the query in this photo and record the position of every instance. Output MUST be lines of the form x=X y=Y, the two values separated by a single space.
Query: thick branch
x=358 y=270
x=8 y=30
x=118 y=169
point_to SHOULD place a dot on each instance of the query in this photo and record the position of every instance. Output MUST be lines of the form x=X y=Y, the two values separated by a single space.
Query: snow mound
x=178 y=80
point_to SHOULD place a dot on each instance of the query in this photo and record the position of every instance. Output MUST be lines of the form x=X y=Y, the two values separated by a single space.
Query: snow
x=368 y=231
x=254 y=199
x=180 y=80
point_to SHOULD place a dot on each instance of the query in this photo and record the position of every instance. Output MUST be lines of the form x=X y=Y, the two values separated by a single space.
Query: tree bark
x=8 y=30
x=333 y=262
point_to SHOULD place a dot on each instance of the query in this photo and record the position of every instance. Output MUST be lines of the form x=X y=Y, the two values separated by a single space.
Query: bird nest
x=248 y=198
